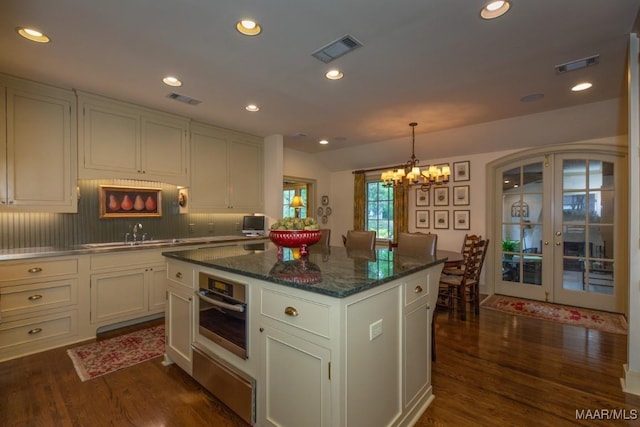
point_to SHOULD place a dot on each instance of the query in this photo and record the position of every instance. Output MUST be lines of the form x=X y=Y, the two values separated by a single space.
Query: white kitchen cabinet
x=179 y=315
x=295 y=379
x=127 y=285
x=296 y=359
x=120 y=140
x=226 y=171
x=39 y=305
x=38 y=148
x=417 y=343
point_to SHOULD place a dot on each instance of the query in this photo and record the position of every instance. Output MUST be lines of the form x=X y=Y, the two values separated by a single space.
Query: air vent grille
x=336 y=49
x=183 y=98
x=577 y=64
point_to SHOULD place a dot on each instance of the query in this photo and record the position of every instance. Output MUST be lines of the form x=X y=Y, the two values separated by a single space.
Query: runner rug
x=106 y=356
x=591 y=319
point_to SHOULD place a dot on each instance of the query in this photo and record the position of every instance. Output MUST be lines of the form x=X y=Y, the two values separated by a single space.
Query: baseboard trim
x=631 y=381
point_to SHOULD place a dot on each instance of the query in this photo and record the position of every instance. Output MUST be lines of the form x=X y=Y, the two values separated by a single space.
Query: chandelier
x=411 y=174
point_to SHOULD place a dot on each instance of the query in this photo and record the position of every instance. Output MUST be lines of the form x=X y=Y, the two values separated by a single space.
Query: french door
x=559 y=222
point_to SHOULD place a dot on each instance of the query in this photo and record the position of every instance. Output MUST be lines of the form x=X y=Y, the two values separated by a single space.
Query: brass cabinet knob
x=35 y=331
x=35 y=297
x=290 y=311
x=34 y=270
x=418 y=289
x=179 y=275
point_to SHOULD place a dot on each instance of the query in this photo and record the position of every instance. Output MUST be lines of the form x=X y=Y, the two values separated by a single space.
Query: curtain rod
x=378 y=169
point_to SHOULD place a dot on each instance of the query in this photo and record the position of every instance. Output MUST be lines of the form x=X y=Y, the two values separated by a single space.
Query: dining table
x=454 y=258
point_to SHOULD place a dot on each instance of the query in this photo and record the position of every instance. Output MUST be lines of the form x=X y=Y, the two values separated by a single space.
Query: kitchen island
x=334 y=339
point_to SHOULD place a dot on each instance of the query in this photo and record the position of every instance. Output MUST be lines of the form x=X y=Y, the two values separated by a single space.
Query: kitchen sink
x=108 y=245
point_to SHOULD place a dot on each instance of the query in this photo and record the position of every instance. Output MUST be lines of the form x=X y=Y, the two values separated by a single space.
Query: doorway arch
x=557 y=219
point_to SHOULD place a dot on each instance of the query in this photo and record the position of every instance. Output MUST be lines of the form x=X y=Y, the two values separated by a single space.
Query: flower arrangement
x=289 y=223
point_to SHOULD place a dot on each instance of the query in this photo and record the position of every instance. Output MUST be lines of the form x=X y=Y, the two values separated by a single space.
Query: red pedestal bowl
x=295 y=238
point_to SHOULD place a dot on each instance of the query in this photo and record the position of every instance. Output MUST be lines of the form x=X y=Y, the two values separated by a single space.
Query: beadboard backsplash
x=27 y=229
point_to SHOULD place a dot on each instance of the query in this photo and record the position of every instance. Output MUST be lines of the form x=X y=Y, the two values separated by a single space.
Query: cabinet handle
x=291 y=311
x=35 y=331
x=418 y=289
x=179 y=275
x=35 y=297
x=428 y=306
x=34 y=270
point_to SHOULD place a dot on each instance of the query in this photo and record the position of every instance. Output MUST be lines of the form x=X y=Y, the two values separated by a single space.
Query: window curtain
x=400 y=211
x=359 y=200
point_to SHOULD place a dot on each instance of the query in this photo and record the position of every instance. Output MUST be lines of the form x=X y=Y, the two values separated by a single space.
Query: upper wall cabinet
x=120 y=140
x=226 y=171
x=38 y=148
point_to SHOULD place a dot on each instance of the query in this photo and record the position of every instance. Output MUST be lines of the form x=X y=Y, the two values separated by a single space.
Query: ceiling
x=435 y=62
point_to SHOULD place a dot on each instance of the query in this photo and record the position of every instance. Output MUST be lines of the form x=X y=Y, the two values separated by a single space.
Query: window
x=287 y=196
x=379 y=217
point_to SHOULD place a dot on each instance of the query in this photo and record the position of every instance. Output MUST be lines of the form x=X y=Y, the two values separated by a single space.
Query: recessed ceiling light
x=172 y=81
x=248 y=27
x=33 y=35
x=581 y=86
x=334 y=74
x=323 y=142
x=252 y=107
x=495 y=9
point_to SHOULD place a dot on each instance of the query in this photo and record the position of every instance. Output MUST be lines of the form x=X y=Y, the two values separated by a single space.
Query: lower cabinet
x=178 y=330
x=179 y=315
x=295 y=383
x=125 y=294
x=40 y=305
x=126 y=286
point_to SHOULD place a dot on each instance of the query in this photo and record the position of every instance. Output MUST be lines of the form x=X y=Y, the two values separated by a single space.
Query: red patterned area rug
x=586 y=318
x=103 y=357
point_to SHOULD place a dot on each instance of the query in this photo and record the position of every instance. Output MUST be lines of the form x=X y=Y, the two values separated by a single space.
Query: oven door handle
x=234 y=307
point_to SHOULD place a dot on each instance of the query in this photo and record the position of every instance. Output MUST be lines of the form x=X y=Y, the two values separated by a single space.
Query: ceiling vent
x=577 y=64
x=336 y=49
x=183 y=98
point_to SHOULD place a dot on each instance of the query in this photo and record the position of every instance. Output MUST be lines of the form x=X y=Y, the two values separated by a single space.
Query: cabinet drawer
x=126 y=258
x=300 y=313
x=37 y=268
x=180 y=272
x=33 y=330
x=30 y=298
x=416 y=288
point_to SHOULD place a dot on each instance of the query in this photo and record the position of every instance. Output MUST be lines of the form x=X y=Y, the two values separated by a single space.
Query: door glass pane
x=574 y=174
x=587 y=225
x=522 y=224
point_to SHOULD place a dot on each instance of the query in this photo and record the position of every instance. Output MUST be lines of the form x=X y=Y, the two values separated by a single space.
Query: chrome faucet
x=136 y=228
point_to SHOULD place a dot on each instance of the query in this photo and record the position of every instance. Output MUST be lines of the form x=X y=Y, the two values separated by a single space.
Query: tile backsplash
x=27 y=229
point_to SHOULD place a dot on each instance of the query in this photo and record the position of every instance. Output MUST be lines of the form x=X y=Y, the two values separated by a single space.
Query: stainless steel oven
x=222 y=320
x=222 y=313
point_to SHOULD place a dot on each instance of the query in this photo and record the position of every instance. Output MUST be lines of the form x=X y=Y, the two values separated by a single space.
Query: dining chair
x=456 y=288
x=325 y=239
x=360 y=240
x=416 y=244
x=469 y=241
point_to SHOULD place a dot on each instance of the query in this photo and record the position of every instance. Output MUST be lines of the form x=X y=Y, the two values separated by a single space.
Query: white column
x=273 y=172
x=631 y=380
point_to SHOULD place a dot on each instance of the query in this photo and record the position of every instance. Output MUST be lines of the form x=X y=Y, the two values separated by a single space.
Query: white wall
x=342 y=194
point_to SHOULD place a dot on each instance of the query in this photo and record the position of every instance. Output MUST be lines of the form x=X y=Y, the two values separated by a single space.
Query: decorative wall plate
x=325 y=200
x=328 y=211
x=325 y=219
x=320 y=211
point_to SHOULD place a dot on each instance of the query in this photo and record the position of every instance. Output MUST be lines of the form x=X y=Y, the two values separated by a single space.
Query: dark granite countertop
x=336 y=272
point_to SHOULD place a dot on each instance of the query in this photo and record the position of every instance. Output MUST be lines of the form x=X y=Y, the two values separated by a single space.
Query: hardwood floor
x=491 y=370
